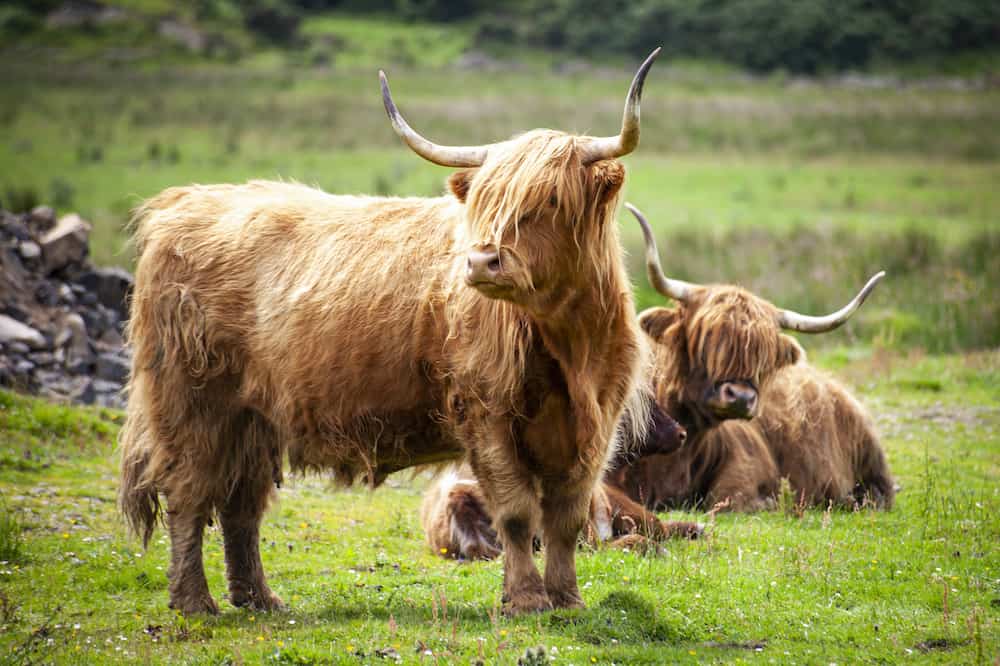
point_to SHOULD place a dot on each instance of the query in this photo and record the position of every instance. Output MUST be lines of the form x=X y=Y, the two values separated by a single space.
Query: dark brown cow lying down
x=721 y=357
x=457 y=523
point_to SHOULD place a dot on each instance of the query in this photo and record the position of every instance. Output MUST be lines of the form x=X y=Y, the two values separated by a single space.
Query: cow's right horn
x=450 y=156
x=675 y=289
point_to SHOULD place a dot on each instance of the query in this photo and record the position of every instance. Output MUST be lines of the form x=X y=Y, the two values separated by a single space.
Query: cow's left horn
x=450 y=156
x=806 y=324
x=675 y=289
x=606 y=148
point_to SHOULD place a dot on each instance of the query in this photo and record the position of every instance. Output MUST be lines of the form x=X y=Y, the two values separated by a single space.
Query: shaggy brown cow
x=365 y=335
x=720 y=355
x=810 y=430
x=457 y=522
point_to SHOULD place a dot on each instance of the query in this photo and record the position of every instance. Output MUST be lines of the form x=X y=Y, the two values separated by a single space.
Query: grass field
x=918 y=584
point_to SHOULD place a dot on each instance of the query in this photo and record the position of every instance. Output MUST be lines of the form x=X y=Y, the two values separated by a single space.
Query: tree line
x=802 y=36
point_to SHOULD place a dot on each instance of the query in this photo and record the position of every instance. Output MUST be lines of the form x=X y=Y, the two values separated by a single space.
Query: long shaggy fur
x=273 y=321
x=809 y=429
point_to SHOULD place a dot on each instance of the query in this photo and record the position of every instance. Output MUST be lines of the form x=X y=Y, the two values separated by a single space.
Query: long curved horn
x=606 y=148
x=450 y=156
x=806 y=324
x=675 y=289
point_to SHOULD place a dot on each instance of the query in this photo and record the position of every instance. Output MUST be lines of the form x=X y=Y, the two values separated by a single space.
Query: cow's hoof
x=195 y=604
x=568 y=599
x=526 y=602
x=262 y=599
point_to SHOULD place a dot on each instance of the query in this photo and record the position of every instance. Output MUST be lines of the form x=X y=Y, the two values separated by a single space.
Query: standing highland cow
x=720 y=355
x=365 y=335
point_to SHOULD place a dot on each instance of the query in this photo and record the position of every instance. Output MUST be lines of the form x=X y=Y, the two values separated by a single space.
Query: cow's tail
x=138 y=499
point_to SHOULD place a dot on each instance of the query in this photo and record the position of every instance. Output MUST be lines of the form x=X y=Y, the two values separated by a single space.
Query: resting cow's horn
x=675 y=289
x=450 y=156
x=606 y=148
x=806 y=324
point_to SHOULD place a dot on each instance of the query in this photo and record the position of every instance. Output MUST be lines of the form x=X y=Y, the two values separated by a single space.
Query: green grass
x=921 y=582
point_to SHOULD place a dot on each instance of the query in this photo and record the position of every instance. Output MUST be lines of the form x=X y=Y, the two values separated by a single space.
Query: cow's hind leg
x=188 y=586
x=240 y=513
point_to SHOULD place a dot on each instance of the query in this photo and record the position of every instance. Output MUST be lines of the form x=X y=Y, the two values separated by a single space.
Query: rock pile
x=61 y=318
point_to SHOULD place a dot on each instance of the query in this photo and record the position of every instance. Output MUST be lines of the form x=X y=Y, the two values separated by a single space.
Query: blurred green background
x=795 y=147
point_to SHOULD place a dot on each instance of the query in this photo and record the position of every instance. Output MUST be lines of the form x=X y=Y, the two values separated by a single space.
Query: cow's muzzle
x=733 y=400
x=484 y=271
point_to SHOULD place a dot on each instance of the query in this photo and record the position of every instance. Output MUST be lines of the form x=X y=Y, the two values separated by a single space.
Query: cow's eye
x=554 y=201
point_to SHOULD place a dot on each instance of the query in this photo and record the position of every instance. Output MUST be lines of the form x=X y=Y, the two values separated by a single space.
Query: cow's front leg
x=512 y=500
x=564 y=513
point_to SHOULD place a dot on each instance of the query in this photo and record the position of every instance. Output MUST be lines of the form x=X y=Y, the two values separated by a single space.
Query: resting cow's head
x=719 y=344
x=538 y=206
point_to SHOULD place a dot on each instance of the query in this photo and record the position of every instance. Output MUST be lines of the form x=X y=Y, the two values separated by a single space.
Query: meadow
x=799 y=189
x=920 y=583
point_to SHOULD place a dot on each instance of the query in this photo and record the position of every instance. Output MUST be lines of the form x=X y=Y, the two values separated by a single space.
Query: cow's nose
x=482 y=265
x=739 y=397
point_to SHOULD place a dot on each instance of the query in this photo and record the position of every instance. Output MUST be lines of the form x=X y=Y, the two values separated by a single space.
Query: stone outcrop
x=61 y=317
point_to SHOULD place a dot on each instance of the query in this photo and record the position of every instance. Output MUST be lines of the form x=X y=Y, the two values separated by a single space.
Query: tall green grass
x=798 y=189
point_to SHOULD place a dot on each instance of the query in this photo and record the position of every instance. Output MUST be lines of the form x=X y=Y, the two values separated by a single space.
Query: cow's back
x=820 y=435
x=311 y=299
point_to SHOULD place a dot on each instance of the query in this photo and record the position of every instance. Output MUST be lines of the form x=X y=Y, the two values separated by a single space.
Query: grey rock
x=43 y=218
x=66 y=295
x=73 y=336
x=11 y=330
x=65 y=243
x=76 y=389
x=46 y=294
x=113 y=286
x=17 y=347
x=105 y=386
x=42 y=358
x=112 y=367
x=29 y=250
x=111 y=339
x=12 y=226
x=23 y=368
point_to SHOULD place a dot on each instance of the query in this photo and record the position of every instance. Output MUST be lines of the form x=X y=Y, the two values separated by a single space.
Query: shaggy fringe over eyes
x=521 y=179
x=734 y=335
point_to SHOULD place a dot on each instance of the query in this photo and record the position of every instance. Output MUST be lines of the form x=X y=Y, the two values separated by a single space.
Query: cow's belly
x=374 y=445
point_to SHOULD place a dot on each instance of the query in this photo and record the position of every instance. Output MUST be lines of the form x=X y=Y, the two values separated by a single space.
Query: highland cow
x=720 y=355
x=365 y=335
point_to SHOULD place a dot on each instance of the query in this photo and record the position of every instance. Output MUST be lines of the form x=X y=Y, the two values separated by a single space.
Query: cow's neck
x=596 y=347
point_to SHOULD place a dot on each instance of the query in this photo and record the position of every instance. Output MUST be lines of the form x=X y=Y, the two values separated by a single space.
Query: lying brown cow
x=364 y=335
x=721 y=356
x=457 y=522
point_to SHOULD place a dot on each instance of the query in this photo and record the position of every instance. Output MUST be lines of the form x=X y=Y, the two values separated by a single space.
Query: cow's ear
x=459 y=182
x=790 y=352
x=608 y=177
x=655 y=321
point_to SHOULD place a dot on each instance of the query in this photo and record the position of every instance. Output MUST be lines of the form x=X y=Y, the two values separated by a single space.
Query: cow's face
x=537 y=220
x=718 y=349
